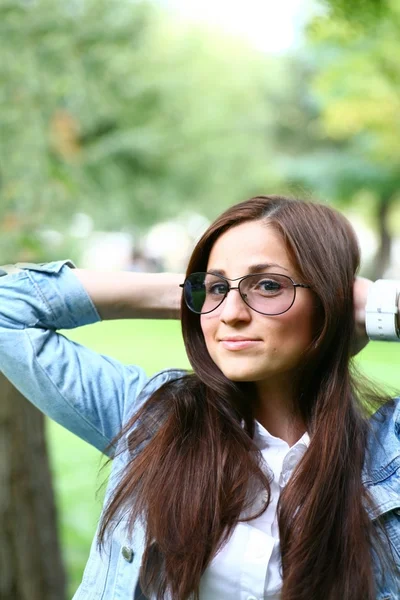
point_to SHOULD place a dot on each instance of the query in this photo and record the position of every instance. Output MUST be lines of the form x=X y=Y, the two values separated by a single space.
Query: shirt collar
x=263 y=439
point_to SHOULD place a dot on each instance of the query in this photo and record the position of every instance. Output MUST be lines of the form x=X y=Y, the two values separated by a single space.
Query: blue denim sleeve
x=86 y=392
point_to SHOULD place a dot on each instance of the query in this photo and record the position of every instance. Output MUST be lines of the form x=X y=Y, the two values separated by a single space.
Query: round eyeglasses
x=267 y=293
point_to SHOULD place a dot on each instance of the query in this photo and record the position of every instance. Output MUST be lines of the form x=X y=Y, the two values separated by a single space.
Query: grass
x=154 y=345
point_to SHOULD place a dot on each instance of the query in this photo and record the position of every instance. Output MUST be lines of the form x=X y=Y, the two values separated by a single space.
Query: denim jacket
x=93 y=396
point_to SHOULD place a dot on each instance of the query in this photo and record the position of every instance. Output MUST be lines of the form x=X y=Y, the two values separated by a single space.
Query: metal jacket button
x=127 y=553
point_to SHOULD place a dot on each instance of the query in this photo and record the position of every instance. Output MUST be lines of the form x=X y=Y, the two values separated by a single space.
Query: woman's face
x=266 y=347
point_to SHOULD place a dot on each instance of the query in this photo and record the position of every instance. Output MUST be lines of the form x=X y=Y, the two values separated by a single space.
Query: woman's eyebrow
x=259 y=268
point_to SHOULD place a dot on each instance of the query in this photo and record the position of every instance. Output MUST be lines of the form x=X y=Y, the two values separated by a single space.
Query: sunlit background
x=127 y=126
x=270 y=27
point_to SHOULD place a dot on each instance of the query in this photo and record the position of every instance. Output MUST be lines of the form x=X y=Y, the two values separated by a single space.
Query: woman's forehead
x=249 y=247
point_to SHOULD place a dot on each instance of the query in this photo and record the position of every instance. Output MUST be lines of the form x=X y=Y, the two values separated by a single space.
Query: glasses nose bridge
x=237 y=288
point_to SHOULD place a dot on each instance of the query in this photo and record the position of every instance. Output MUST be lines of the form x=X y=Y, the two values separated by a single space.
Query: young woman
x=260 y=474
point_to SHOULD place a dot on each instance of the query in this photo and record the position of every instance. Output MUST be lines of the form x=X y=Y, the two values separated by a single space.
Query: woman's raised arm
x=86 y=392
x=128 y=295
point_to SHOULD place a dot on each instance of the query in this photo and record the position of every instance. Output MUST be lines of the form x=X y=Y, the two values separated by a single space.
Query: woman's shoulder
x=155 y=382
x=387 y=418
x=384 y=439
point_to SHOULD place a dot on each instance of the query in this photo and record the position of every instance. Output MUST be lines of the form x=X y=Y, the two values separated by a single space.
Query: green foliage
x=115 y=109
x=355 y=83
x=112 y=108
x=364 y=12
x=358 y=81
x=327 y=146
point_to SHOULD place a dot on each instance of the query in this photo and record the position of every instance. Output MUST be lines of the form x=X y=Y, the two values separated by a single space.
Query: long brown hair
x=195 y=470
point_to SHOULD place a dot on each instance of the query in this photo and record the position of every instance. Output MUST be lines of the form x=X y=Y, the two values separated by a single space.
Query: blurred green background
x=116 y=115
x=127 y=125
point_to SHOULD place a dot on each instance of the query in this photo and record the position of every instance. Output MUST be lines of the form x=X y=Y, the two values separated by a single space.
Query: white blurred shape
x=81 y=226
x=109 y=251
x=394 y=270
x=169 y=243
x=367 y=238
x=267 y=25
x=195 y=225
x=51 y=238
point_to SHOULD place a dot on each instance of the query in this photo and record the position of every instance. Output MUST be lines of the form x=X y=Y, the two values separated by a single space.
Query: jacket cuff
x=61 y=300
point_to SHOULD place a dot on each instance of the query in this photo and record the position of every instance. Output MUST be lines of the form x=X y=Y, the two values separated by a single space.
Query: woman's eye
x=217 y=289
x=269 y=285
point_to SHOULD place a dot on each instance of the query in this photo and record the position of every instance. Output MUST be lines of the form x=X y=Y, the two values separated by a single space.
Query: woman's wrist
x=128 y=295
x=382 y=310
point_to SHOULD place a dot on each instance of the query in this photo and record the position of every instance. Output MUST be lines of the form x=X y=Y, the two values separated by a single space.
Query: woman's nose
x=234 y=308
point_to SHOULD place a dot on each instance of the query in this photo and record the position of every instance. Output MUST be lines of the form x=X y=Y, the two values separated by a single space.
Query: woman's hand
x=361 y=287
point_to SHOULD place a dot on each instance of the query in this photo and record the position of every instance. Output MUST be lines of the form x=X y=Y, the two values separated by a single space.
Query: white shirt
x=248 y=566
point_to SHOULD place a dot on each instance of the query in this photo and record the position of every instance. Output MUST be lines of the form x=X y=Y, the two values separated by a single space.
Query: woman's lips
x=238 y=344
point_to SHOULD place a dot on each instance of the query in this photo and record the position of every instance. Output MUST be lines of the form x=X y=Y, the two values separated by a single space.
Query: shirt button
x=127 y=553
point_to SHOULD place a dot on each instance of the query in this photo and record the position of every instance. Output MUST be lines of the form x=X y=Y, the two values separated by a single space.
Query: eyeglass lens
x=270 y=293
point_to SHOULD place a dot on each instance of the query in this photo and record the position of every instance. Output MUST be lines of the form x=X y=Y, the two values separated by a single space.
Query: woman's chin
x=242 y=375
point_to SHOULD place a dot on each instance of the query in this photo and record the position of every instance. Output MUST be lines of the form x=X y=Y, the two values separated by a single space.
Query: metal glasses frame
x=243 y=296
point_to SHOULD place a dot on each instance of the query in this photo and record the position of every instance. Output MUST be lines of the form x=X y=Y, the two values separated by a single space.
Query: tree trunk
x=30 y=561
x=382 y=258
